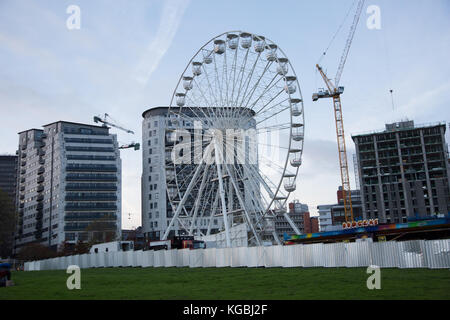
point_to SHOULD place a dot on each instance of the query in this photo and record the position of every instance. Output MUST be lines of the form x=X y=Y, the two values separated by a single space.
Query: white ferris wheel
x=235 y=133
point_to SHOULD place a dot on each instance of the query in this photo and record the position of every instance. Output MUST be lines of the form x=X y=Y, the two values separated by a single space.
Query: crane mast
x=334 y=91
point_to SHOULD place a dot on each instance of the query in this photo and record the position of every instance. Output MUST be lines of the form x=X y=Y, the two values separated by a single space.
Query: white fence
x=408 y=254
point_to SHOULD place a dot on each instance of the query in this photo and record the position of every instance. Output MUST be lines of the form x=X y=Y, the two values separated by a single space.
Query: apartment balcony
x=40 y=197
x=22 y=188
x=23 y=163
x=23 y=155
x=41 y=161
x=83 y=226
x=23 y=171
x=22 y=180
x=90 y=149
x=40 y=179
x=91 y=187
x=90 y=206
x=40 y=188
x=98 y=197
x=22 y=197
x=41 y=170
x=40 y=205
x=24 y=146
x=21 y=205
x=90 y=168
x=91 y=177
x=80 y=216
x=90 y=157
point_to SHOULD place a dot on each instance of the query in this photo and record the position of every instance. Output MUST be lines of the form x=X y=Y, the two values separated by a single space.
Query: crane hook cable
x=337 y=31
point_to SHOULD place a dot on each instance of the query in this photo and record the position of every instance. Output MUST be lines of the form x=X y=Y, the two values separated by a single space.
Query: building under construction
x=404 y=172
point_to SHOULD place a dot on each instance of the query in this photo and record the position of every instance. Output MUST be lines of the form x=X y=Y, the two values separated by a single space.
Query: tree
x=35 y=251
x=101 y=230
x=81 y=247
x=7 y=224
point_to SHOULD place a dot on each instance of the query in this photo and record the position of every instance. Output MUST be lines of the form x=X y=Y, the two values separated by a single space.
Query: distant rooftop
x=402 y=125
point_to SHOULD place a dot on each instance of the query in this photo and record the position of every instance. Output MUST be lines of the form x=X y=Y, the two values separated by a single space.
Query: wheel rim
x=237 y=80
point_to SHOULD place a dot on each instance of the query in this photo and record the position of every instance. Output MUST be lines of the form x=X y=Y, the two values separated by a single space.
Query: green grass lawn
x=230 y=283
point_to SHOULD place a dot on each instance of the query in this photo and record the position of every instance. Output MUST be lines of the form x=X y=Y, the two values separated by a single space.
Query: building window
x=156 y=123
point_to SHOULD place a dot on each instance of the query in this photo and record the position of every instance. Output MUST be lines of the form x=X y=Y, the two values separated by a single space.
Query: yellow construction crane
x=334 y=91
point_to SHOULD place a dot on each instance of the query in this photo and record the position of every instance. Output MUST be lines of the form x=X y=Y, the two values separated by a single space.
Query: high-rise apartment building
x=69 y=185
x=403 y=171
x=156 y=208
x=8 y=176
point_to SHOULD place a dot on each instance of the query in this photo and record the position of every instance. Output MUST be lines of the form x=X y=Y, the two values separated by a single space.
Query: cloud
x=172 y=14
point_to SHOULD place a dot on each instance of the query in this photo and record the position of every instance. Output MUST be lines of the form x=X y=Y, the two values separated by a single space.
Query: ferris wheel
x=234 y=139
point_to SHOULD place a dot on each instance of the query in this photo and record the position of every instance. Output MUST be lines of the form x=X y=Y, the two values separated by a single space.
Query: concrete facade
x=8 y=175
x=69 y=177
x=404 y=172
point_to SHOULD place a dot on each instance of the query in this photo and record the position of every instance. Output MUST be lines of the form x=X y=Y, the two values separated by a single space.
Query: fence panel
x=407 y=254
x=243 y=255
x=179 y=258
x=92 y=260
x=147 y=259
x=63 y=264
x=235 y=257
x=134 y=259
x=297 y=255
x=318 y=255
x=223 y=257
x=186 y=257
x=308 y=256
x=410 y=254
x=138 y=256
x=252 y=258
x=436 y=253
x=385 y=254
x=288 y=256
x=273 y=256
x=196 y=258
x=209 y=258
x=170 y=258
x=158 y=258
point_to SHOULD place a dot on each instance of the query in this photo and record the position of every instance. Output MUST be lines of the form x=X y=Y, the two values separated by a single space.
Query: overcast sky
x=128 y=55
